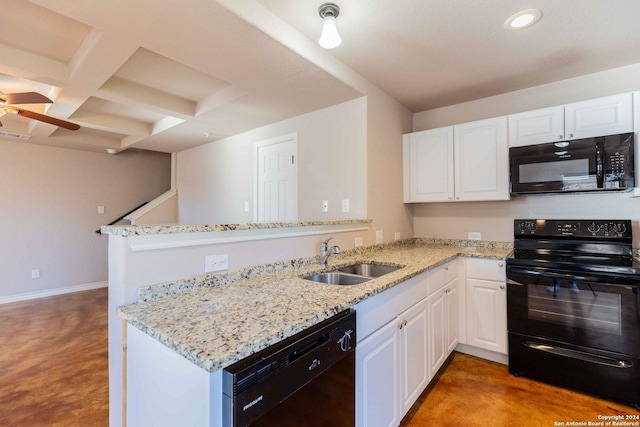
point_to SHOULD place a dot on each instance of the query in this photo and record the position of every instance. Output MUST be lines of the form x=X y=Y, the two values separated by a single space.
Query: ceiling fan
x=8 y=101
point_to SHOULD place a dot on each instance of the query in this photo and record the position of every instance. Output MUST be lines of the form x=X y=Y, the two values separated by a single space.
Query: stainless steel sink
x=352 y=274
x=336 y=278
x=369 y=270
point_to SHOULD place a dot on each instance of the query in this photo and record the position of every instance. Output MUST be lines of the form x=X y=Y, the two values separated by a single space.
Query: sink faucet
x=326 y=251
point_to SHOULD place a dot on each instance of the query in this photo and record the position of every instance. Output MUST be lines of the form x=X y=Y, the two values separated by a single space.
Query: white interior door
x=277 y=179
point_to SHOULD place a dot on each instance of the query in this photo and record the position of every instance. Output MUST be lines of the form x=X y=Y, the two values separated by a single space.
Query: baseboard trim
x=52 y=292
x=483 y=354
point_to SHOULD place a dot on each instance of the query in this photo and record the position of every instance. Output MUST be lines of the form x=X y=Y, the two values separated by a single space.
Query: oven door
x=557 y=167
x=565 y=307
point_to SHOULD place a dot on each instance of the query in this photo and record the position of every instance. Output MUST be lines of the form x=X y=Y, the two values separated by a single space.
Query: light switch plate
x=357 y=242
x=379 y=236
x=396 y=235
x=475 y=235
x=345 y=205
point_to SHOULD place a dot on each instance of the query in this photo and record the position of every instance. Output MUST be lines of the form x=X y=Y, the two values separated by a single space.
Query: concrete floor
x=475 y=392
x=54 y=372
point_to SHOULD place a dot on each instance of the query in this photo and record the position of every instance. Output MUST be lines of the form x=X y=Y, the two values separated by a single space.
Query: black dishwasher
x=305 y=380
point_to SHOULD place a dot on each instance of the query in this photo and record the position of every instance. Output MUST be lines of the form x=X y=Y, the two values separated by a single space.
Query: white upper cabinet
x=598 y=117
x=536 y=127
x=457 y=163
x=595 y=117
x=428 y=165
x=481 y=160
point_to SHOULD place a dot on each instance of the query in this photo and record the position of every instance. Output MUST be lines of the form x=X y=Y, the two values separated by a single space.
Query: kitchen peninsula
x=215 y=320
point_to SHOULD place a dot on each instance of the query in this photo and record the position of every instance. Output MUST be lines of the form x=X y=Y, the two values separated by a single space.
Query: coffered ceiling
x=166 y=75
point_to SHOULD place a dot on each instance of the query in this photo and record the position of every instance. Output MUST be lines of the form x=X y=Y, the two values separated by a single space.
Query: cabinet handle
x=404 y=323
x=501 y=265
x=447 y=268
x=400 y=325
x=570 y=135
x=560 y=136
x=501 y=286
x=458 y=198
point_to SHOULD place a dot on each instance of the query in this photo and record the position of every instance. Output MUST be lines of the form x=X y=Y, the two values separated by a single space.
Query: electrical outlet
x=35 y=274
x=325 y=206
x=396 y=235
x=345 y=205
x=357 y=242
x=246 y=206
x=475 y=235
x=216 y=263
x=379 y=236
x=100 y=209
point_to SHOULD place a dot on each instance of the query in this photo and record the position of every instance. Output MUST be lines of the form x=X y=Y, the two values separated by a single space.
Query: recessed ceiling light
x=523 y=19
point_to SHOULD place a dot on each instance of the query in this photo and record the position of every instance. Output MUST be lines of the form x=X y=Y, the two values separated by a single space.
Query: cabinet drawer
x=441 y=275
x=375 y=312
x=486 y=269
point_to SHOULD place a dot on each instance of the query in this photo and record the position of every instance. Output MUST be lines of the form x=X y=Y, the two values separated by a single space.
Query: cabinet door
x=599 y=117
x=377 y=378
x=452 y=312
x=536 y=127
x=487 y=315
x=481 y=160
x=437 y=338
x=428 y=165
x=414 y=353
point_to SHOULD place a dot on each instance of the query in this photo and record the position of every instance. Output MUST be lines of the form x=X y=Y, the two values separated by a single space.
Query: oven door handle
x=550 y=274
x=579 y=355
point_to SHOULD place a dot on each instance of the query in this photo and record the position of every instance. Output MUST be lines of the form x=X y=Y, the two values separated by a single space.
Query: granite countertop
x=148 y=230
x=215 y=324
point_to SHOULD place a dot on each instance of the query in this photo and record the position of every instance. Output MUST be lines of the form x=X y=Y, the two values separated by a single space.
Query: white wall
x=48 y=209
x=495 y=219
x=216 y=179
x=386 y=122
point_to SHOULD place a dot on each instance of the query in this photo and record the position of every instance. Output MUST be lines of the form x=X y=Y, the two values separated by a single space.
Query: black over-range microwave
x=590 y=164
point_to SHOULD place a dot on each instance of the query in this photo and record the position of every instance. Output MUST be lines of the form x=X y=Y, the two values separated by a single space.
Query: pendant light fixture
x=329 y=37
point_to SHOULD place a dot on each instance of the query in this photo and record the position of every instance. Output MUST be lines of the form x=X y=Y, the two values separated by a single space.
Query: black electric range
x=573 y=306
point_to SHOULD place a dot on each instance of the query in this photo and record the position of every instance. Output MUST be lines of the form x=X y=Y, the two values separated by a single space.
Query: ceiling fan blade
x=47 y=119
x=25 y=98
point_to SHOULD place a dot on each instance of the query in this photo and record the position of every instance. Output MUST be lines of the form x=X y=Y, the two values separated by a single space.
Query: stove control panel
x=597 y=228
x=526 y=227
x=573 y=228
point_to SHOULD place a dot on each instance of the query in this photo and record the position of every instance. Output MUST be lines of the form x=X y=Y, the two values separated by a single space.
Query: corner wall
x=387 y=120
x=49 y=199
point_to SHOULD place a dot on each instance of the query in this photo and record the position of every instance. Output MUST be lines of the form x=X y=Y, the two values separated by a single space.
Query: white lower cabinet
x=414 y=354
x=392 y=368
x=486 y=304
x=443 y=325
x=378 y=378
x=394 y=363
